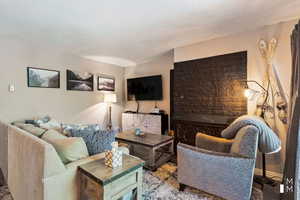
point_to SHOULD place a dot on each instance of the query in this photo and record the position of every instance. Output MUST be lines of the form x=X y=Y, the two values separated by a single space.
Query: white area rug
x=162 y=185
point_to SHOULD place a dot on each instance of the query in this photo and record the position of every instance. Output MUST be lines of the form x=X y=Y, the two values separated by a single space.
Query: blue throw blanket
x=268 y=141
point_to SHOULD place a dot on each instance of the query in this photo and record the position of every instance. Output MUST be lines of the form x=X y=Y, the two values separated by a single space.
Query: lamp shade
x=250 y=93
x=110 y=98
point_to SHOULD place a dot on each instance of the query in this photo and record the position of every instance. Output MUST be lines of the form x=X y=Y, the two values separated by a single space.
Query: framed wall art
x=106 y=83
x=80 y=81
x=43 y=78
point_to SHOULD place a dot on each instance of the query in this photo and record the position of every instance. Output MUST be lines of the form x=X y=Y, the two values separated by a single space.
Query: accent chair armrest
x=219 y=173
x=212 y=143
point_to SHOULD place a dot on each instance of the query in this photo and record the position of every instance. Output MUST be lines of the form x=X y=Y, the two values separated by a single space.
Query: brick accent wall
x=210 y=86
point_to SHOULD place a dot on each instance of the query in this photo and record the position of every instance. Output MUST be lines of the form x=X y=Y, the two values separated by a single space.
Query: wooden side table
x=99 y=182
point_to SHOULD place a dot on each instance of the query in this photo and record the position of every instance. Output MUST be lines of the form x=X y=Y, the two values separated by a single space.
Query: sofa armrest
x=4 y=150
x=213 y=143
x=30 y=161
x=75 y=164
x=98 y=156
x=66 y=185
x=215 y=172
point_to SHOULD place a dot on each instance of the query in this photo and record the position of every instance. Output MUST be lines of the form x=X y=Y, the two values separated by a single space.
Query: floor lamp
x=110 y=98
x=250 y=93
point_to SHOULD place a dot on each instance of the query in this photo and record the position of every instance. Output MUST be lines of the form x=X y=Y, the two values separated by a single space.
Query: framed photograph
x=43 y=78
x=80 y=81
x=106 y=83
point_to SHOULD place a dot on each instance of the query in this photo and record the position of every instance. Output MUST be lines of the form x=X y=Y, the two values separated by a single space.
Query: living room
x=194 y=61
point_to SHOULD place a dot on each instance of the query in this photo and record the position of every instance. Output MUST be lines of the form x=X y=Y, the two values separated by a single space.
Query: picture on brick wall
x=80 y=81
x=106 y=83
x=43 y=78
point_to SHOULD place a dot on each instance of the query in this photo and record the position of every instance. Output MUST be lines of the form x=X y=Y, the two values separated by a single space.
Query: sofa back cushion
x=245 y=142
x=52 y=135
x=35 y=130
x=69 y=149
x=22 y=125
x=30 y=128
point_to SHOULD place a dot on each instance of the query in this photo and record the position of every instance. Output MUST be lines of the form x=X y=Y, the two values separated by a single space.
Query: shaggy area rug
x=162 y=185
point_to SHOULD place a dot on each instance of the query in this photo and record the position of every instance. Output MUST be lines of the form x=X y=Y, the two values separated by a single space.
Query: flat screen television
x=144 y=88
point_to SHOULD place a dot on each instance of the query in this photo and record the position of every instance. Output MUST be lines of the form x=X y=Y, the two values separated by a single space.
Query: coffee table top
x=148 y=139
x=104 y=175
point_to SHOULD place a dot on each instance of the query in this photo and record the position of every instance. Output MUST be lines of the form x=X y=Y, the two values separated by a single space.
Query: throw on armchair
x=223 y=167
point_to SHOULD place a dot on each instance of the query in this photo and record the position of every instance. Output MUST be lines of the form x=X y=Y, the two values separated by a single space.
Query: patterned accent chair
x=220 y=166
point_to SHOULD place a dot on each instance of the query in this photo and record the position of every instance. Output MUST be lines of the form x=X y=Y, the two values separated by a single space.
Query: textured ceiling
x=136 y=30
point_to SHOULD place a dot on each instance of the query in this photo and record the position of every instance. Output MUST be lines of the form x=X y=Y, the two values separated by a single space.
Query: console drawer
x=123 y=182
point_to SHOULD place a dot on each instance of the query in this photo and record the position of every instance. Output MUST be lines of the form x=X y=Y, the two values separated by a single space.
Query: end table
x=99 y=182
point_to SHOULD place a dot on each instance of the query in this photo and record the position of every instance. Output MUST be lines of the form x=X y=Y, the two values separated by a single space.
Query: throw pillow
x=21 y=125
x=39 y=121
x=96 y=141
x=30 y=128
x=70 y=149
x=35 y=130
x=52 y=124
x=66 y=128
x=51 y=134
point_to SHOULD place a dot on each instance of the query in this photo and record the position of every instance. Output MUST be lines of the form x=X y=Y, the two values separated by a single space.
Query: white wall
x=249 y=41
x=66 y=106
x=160 y=65
x=74 y=106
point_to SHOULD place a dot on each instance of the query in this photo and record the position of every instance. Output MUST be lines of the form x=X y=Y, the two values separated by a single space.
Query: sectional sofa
x=32 y=168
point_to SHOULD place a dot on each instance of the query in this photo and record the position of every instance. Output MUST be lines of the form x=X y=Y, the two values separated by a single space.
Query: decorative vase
x=114 y=157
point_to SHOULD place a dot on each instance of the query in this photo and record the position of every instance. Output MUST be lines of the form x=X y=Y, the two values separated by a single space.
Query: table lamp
x=110 y=98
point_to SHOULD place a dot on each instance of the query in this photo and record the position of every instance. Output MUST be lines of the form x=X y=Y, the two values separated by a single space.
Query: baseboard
x=273 y=175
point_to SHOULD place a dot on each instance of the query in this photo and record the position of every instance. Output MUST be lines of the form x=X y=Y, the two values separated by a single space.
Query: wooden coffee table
x=153 y=148
x=99 y=182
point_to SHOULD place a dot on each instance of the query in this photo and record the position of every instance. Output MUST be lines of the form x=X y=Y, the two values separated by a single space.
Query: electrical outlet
x=11 y=88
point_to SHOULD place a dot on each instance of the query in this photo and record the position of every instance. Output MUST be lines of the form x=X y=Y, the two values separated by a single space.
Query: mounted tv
x=145 y=88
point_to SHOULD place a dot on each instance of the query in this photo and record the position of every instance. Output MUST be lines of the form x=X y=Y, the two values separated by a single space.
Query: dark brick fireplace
x=207 y=94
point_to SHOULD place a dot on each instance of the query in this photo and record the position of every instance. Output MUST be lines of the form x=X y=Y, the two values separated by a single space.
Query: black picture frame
x=37 y=83
x=106 y=83
x=76 y=82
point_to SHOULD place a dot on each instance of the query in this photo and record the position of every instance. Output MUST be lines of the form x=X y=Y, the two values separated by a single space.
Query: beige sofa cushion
x=70 y=149
x=22 y=125
x=52 y=135
x=30 y=128
x=34 y=130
